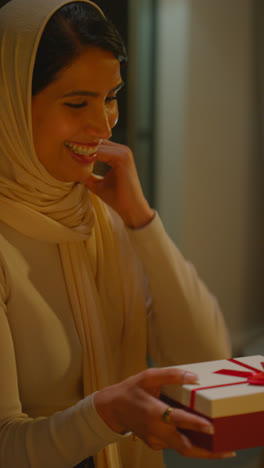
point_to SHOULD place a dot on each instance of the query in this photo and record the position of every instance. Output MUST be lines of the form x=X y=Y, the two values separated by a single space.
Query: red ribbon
x=253 y=378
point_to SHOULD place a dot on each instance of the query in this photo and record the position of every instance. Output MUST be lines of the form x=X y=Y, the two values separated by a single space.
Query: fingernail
x=208 y=430
x=229 y=455
x=190 y=377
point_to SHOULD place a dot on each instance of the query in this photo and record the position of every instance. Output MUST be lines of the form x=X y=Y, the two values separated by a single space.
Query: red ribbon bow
x=253 y=378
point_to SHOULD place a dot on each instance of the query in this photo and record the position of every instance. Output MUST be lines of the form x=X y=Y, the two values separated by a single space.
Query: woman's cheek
x=68 y=125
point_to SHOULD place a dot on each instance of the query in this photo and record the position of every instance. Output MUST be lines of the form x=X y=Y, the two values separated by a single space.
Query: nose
x=100 y=124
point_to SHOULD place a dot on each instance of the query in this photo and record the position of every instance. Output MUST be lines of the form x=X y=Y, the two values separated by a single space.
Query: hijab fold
x=44 y=208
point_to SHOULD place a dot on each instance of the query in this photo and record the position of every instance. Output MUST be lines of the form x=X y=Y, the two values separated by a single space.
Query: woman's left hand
x=121 y=188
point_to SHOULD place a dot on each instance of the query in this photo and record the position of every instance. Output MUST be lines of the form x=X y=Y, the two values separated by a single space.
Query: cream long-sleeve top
x=44 y=419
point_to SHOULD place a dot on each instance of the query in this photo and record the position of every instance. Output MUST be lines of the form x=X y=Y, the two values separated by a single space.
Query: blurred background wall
x=195 y=121
x=200 y=115
x=193 y=112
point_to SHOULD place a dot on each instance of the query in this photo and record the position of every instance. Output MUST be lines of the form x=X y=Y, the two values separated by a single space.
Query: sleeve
x=185 y=323
x=60 y=441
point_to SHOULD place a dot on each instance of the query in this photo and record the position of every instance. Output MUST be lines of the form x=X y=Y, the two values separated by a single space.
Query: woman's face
x=72 y=115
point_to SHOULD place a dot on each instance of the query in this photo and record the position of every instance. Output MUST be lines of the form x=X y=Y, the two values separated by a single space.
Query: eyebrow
x=92 y=93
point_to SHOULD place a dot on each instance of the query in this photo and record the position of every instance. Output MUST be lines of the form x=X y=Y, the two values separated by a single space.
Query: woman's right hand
x=134 y=405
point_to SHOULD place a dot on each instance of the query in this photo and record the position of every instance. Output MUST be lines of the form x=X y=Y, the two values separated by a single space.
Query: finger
x=94 y=182
x=174 y=439
x=196 y=452
x=109 y=143
x=185 y=420
x=200 y=453
x=113 y=153
x=166 y=376
x=184 y=446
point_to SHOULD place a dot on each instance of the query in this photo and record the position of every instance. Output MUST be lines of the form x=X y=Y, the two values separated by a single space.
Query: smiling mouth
x=79 y=150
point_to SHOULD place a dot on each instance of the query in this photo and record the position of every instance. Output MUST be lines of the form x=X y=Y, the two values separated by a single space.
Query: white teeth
x=82 y=150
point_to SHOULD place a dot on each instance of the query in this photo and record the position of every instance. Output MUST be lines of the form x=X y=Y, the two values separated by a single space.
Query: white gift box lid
x=220 y=401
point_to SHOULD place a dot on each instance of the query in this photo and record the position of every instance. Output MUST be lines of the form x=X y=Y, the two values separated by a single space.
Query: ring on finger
x=167 y=415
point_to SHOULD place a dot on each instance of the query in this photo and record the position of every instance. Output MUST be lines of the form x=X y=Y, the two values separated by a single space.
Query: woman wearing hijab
x=77 y=317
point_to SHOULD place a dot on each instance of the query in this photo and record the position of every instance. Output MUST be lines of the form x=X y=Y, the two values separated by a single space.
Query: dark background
x=3 y=2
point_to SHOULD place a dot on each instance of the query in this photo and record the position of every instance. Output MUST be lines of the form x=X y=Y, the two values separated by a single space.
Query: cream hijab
x=41 y=207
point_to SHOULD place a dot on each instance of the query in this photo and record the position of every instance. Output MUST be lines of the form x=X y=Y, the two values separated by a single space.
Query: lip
x=83 y=159
x=86 y=144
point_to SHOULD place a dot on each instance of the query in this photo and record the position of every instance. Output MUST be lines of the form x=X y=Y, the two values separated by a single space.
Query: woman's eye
x=111 y=98
x=75 y=106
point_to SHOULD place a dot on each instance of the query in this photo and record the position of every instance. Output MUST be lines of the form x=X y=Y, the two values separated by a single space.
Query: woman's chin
x=77 y=174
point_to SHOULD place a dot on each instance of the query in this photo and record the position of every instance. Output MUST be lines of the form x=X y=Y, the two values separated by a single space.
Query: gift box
x=230 y=394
